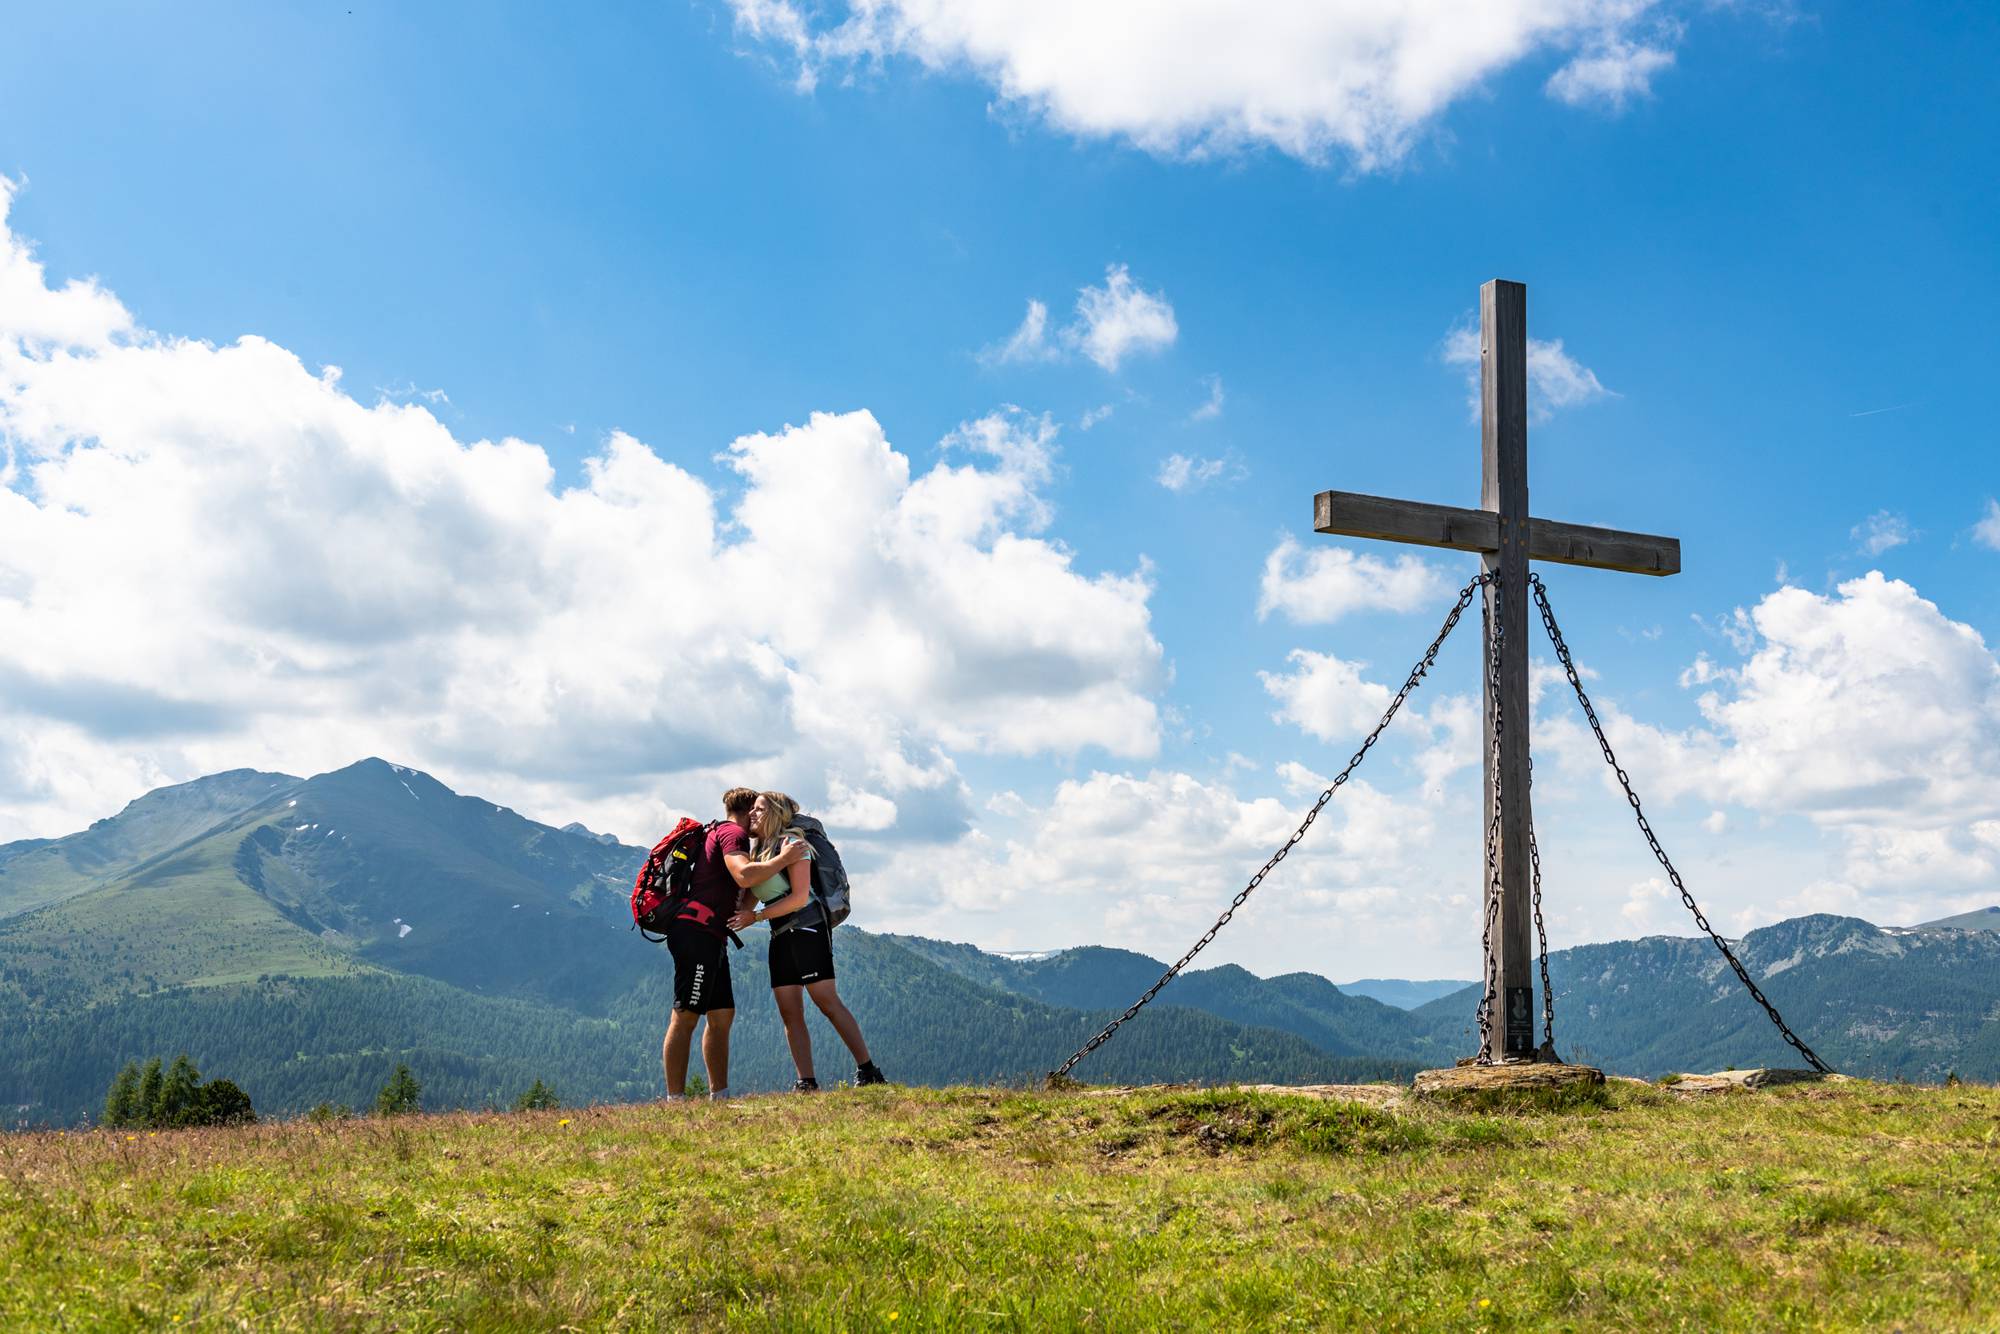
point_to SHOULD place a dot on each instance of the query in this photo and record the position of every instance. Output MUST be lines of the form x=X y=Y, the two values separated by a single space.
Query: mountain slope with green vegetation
x=1885 y=1003
x=294 y=1042
x=299 y=936
x=1303 y=1004
x=44 y=871
x=1849 y=1206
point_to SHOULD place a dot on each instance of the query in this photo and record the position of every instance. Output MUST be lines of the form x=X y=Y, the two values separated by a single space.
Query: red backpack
x=666 y=878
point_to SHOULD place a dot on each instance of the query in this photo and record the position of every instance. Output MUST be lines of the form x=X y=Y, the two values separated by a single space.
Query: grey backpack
x=829 y=877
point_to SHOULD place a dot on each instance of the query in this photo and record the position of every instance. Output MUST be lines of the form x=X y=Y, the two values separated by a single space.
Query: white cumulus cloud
x=1320 y=586
x=212 y=556
x=1111 y=323
x=1147 y=859
x=1881 y=531
x=1121 y=318
x=1867 y=712
x=1987 y=531
x=1609 y=74
x=1326 y=696
x=1191 y=77
x=1555 y=378
x=1182 y=472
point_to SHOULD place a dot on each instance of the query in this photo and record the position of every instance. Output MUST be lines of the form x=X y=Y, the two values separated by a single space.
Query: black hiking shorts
x=701 y=969
x=801 y=956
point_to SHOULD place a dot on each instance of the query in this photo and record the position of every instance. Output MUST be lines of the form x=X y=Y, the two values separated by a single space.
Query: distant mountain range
x=1979 y=919
x=300 y=936
x=1401 y=993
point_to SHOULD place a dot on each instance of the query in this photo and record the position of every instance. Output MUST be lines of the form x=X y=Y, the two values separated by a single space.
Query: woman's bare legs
x=828 y=999
x=792 y=1009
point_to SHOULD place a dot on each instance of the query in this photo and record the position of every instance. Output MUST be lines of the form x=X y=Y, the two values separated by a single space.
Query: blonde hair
x=769 y=836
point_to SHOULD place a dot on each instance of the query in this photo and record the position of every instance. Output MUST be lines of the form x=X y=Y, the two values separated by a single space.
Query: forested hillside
x=301 y=936
x=292 y=1043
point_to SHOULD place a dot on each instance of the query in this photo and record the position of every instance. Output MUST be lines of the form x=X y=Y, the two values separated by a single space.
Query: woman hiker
x=801 y=943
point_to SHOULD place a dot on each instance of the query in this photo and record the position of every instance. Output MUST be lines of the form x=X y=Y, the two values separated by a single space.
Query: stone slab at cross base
x=1525 y=1076
x=1723 y=1081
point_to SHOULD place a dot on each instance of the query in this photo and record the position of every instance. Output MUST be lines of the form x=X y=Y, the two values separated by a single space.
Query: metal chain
x=1496 y=626
x=1548 y=1051
x=1576 y=684
x=1417 y=674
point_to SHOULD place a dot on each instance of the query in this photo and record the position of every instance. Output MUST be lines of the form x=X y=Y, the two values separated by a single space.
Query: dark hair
x=738 y=800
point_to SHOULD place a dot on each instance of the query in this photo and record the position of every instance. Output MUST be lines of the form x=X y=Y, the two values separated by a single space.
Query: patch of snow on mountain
x=413 y=795
x=402 y=930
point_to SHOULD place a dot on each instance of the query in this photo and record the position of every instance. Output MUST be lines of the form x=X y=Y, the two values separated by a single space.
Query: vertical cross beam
x=1503 y=444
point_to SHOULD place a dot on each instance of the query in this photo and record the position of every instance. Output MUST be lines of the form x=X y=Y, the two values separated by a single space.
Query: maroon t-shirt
x=711 y=889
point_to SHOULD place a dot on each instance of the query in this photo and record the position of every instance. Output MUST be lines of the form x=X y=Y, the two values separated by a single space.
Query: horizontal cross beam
x=1348 y=514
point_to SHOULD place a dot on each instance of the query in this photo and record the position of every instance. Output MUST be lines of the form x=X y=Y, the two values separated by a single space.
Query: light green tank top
x=780 y=884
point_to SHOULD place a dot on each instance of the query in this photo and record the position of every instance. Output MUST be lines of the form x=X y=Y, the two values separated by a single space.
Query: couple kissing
x=756 y=866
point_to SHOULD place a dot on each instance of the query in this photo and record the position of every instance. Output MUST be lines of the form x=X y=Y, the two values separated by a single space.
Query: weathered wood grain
x=1603 y=548
x=1351 y=514
x=1503 y=488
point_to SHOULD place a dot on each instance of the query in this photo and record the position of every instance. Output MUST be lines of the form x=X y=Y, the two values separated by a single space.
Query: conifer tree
x=401 y=1094
x=180 y=1095
x=539 y=1098
x=122 y=1102
x=147 y=1110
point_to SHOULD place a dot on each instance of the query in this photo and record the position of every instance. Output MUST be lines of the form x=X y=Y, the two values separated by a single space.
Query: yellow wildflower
x=563 y=1122
x=1485 y=1302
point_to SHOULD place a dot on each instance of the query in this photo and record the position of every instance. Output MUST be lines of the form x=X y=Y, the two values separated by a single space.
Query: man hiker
x=697 y=938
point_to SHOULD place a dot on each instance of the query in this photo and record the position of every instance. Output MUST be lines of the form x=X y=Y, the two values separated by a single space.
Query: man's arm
x=798 y=897
x=749 y=874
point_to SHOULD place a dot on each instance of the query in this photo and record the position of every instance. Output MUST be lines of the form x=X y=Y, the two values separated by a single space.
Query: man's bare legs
x=674 y=1050
x=792 y=1009
x=830 y=1004
x=714 y=1049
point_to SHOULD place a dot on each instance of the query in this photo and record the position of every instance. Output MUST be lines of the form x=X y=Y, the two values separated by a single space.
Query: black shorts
x=801 y=955
x=701 y=969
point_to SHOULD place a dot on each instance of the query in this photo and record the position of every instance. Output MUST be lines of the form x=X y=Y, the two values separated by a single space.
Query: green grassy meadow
x=1856 y=1205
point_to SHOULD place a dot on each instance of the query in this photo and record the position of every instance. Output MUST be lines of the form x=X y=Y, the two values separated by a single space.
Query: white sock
x=718 y=1095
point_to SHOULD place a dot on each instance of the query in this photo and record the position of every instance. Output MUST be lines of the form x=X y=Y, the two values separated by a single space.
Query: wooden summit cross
x=1506 y=538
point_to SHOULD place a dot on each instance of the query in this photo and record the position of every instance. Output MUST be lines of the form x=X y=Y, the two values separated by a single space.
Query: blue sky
x=1765 y=231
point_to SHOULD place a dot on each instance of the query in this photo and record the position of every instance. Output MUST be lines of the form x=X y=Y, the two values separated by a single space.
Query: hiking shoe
x=870 y=1073
x=806 y=1086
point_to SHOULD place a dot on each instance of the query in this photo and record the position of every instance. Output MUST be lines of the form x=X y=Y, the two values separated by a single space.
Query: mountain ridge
x=376 y=886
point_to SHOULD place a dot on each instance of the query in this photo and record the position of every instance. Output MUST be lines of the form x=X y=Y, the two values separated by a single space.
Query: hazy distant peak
x=1979 y=919
x=248 y=782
